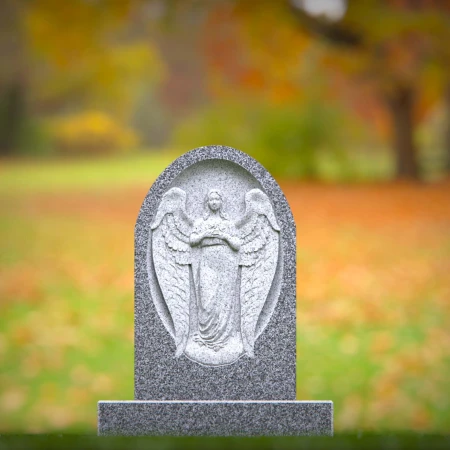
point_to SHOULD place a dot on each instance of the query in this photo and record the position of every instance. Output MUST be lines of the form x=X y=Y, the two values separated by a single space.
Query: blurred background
x=345 y=102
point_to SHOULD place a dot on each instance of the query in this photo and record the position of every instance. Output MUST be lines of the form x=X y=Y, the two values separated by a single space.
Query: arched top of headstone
x=220 y=153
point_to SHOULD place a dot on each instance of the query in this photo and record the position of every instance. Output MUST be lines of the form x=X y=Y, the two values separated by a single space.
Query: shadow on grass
x=391 y=441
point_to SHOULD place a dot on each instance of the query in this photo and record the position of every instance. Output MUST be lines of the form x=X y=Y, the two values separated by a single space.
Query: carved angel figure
x=214 y=273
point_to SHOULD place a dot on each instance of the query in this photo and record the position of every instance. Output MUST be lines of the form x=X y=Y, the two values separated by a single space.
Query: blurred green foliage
x=35 y=139
x=309 y=140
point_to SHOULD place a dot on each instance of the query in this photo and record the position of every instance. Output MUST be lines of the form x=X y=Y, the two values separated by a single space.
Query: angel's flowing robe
x=216 y=285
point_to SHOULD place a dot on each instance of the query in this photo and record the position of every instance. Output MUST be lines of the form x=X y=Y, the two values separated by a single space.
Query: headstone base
x=215 y=418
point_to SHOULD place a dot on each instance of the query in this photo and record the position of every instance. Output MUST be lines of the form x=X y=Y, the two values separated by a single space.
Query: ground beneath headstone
x=373 y=296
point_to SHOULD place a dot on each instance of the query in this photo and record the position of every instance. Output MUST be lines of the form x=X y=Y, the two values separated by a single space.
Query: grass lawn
x=83 y=174
x=397 y=441
x=373 y=296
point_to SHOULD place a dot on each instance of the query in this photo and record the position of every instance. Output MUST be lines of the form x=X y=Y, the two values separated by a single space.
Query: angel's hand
x=233 y=241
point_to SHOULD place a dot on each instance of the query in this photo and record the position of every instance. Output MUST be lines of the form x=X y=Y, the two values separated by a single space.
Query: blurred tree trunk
x=12 y=117
x=400 y=102
x=447 y=126
x=12 y=76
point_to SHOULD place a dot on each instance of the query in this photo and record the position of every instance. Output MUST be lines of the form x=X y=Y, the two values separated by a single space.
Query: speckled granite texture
x=210 y=418
x=271 y=374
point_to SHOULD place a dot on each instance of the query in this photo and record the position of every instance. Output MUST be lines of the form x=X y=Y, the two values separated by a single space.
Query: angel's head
x=214 y=202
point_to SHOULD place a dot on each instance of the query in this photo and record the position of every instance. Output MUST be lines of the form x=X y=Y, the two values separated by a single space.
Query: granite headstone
x=215 y=307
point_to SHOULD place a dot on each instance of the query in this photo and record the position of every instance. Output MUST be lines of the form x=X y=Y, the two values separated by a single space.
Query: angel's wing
x=171 y=254
x=259 y=232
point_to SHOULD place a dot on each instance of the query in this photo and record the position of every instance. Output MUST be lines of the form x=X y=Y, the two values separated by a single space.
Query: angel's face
x=214 y=202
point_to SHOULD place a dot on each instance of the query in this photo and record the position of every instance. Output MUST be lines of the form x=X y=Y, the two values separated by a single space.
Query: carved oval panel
x=215 y=262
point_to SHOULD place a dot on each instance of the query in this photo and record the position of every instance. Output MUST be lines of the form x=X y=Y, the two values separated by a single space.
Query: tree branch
x=334 y=33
